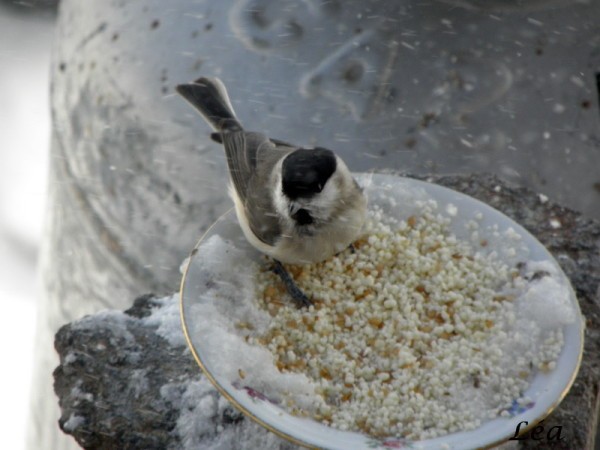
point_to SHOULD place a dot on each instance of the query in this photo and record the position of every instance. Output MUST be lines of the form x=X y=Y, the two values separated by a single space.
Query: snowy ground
x=25 y=40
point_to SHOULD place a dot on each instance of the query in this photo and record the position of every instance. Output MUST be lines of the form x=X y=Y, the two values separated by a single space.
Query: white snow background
x=25 y=40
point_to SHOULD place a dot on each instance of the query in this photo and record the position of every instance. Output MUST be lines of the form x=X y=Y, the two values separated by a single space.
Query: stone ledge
x=127 y=380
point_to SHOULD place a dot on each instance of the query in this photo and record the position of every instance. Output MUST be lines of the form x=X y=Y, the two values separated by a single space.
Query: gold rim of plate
x=297 y=441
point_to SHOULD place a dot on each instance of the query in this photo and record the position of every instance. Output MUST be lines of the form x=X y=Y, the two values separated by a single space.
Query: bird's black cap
x=304 y=172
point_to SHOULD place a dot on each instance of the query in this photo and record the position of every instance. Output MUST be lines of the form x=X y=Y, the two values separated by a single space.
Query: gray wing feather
x=239 y=167
x=251 y=158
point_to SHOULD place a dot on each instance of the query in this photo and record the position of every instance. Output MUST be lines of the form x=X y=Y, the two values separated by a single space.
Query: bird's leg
x=351 y=247
x=295 y=292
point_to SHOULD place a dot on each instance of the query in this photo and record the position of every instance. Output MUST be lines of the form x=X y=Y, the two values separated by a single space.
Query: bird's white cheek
x=323 y=204
x=279 y=201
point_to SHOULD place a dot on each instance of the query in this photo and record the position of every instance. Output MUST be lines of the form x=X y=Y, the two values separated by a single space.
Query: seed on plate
x=406 y=327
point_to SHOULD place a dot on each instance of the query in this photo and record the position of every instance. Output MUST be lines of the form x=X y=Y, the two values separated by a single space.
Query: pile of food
x=413 y=332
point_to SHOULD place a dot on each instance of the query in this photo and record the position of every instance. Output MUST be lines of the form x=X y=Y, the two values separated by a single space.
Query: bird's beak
x=293 y=208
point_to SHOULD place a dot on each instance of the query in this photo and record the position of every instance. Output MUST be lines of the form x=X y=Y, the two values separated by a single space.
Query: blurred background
x=541 y=133
x=26 y=31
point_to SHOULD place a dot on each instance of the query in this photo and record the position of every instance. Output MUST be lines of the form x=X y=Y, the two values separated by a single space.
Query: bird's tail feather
x=209 y=96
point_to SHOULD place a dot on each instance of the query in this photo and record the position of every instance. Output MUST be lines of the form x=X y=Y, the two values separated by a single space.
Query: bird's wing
x=239 y=165
x=251 y=158
x=242 y=151
x=262 y=217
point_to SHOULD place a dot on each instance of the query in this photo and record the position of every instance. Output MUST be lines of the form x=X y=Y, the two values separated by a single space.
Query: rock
x=127 y=380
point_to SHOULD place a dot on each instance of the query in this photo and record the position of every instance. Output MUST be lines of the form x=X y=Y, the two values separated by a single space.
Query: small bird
x=297 y=205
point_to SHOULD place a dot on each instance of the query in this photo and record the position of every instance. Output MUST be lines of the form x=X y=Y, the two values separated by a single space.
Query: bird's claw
x=299 y=297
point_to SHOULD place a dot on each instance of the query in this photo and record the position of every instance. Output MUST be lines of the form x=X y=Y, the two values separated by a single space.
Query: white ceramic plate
x=210 y=273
